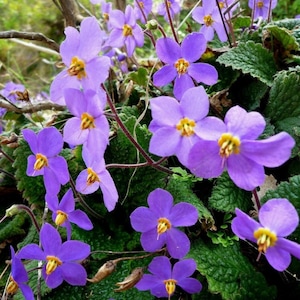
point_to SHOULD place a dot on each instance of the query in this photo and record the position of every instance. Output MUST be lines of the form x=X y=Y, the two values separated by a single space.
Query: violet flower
x=89 y=125
x=158 y=223
x=261 y=8
x=94 y=177
x=181 y=64
x=10 y=91
x=164 y=279
x=179 y=124
x=173 y=7
x=79 y=52
x=125 y=30
x=209 y=16
x=277 y=219
x=64 y=213
x=62 y=259
x=234 y=146
x=18 y=278
x=142 y=5
x=46 y=145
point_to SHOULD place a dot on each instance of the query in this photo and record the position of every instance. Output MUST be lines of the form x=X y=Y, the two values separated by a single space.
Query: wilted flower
x=18 y=278
x=234 y=147
x=158 y=223
x=125 y=30
x=64 y=213
x=181 y=64
x=46 y=145
x=80 y=53
x=177 y=126
x=261 y=8
x=209 y=16
x=61 y=258
x=163 y=280
x=277 y=219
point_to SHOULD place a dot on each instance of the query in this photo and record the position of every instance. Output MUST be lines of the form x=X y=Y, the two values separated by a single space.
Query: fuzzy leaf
x=284 y=96
x=251 y=58
x=139 y=76
x=284 y=36
x=229 y=273
x=241 y=22
x=226 y=196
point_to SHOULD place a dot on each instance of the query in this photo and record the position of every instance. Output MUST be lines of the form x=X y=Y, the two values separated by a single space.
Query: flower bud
x=104 y=271
x=131 y=280
x=152 y=25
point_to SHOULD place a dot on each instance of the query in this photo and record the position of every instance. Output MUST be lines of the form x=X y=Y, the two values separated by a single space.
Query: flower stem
x=257 y=202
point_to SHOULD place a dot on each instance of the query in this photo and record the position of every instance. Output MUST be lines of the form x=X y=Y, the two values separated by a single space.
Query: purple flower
x=64 y=213
x=79 y=51
x=61 y=258
x=46 y=146
x=158 y=223
x=234 y=146
x=227 y=7
x=18 y=278
x=125 y=30
x=173 y=7
x=163 y=280
x=180 y=63
x=177 y=126
x=261 y=8
x=209 y=16
x=142 y=5
x=10 y=91
x=277 y=219
x=89 y=125
x=95 y=176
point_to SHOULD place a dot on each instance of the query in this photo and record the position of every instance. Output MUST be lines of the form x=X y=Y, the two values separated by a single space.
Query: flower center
x=170 y=285
x=77 y=68
x=186 y=126
x=141 y=4
x=163 y=225
x=52 y=264
x=260 y=4
x=265 y=239
x=169 y=4
x=61 y=217
x=208 y=20
x=87 y=121
x=127 y=30
x=92 y=176
x=229 y=144
x=12 y=287
x=41 y=161
x=181 y=66
x=106 y=17
x=221 y=4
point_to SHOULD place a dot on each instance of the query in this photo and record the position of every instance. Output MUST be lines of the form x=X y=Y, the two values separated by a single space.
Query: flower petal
x=280 y=216
x=183 y=269
x=195 y=41
x=143 y=219
x=54 y=279
x=183 y=214
x=164 y=75
x=50 y=239
x=168 y=50
x=81 y=219
x=31 y=138
x=278 y=258
x=73 y=250
x=182 y=84
x=190 y=285
x=50 y=141
x=74 y=273
x=203 y=72
x=160 y=202
x=151 y=242
x=243 y=226
x=161 y=267
x=31 y=251
x=178 y=244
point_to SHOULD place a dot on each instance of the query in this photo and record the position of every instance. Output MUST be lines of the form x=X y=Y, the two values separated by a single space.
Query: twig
x=33 y=36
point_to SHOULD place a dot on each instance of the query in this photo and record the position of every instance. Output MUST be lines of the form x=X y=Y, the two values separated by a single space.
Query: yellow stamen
x=127 y=30
x=169 y=4
x=12 y=287
x=181 y=66
x=141 y=4
x=208 y=20
x=52 y=264
x=170 y=285
x=186 y=126
x=41 y=161
x=260 y=4
x=92 y=176
x=77 y=68
x=265 y=238
x=87 y=121
x=221 y=4
x=61 y=217
x=163 y=225
x=229 y=144
x=106 y=17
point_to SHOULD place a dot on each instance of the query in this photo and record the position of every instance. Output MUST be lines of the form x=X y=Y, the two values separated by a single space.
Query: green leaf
x=284 y=96
x=229 y=273
x=140 y=77
x=251 y=58
x=226 y=196
x=241 y=22
x=284 y=36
